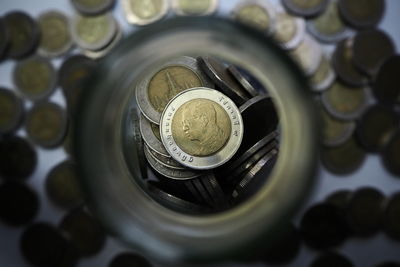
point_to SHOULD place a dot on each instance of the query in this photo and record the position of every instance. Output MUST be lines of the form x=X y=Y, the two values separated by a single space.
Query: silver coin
x=168 y=172
x=308 y=55
x=243 y=81
x=93 y=32
x=174 y=86
x=289 y=30
x=143 y=12
x=195 y=7
x=166 y=161
x=148 y=131
x=204 y=98
x=323 y=78
x=139 y=143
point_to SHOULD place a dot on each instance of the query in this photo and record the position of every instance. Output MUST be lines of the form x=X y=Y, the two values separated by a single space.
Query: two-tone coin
x=308 y=55
x=335 y=132
x=386 y=84
x=138 y=142
x=151 y=135
x=324 y=76
x=46 y=124
x=289 y=30
x=35 y=78
x=195 y=7
x=24 y=34
x=391 y=217
x=339 y=199
x=391 y=156
x=11 y=111
x=159 y=87
x=143 y=12
x=55 y=35
x=244 y=82
x=129 y=259
x=362 y=14
x=92 y=7
x=4 y=39
x=201 y=128
x=305 y=8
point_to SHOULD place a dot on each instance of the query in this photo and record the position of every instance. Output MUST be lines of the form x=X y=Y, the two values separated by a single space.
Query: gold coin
x=329 y=22
x=254 y=15
x=94 y=32
x=91 y=3
x=201 y=127
x=286 y=28
x=146 y=9
x=168 y=82
x=194 y=7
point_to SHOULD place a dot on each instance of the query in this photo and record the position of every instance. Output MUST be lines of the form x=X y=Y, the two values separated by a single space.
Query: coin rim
x=17 y=116
x=316 y=55
x=298 y=36
x=94 y=11
x=295 y=10
x=212 y=8
x=132 y=18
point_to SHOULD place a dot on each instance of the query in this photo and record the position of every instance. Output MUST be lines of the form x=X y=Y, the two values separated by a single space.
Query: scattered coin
x=343 y=159
x=46 y=124
x=324 y=76
x=151 y=135
x=55 y=36
x=42 y=245
x=158 y=88
x=342 y=62
x=11 y=111
x=143 y=12
x=94 y=32
x=225 y=82
x=35 y=78
x=62 y=186
x=127 y=259
x=83 y=231
x=385 y=86
x=24 y=34
x=18 y=203
x=92 y=7
x=370 y=49
x=331 y=259
x=324 y=226
x=195 y=7
x=166 y=161
x=391 y=217
x=335 y=132
x=4 y=39
x=305 y=8
x=344 y=102
x=201 y=128
x=376 y=126
x=365 y=211
x=328 y=27
x=240 y=78
x=289 y=30
x=339 y=199
x=257 y=14
x=18 y=159
x=308 y=55
x=362 y=14
x=390 y=154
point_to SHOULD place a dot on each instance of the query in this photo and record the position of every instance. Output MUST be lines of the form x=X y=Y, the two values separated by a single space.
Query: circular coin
x=127 y=259
x=376 y=126
x=362 y=14
x=335 y=132
x=11 y=111
x=365 y=211
x=343 y=159
x=92 y=7
x=195 y=7
x=323 y=78
x=4 y=39
x=35 y=78
x=158 y=88
x=18 y=159
x=308 y=54
x=55 y=39
x=386 y=85
x=345 y=103
x=289 y=30
x=332 y=259
x=305 y=8
x=201 y=128
x=240 y=78
x=151 y=135
x=391 y=217
x=143 y=12
x=339 y=199
x=388 y=264
x=46 y=124
x=24 y=34
x=62 y=186
x=371 y=49
x=390 y=154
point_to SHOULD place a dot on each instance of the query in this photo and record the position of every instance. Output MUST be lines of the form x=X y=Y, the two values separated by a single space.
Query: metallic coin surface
x=93 y=32
x=331 y=259
x=213 y=125
x=25 y=203
x=386 y=85
x=129 y=259
x=92 y=7
x=166 y=161
x=342 y=62
x=195 y=7
x=362 y=14
x=11 y=111
x=308 y=54
x=257 y=14
x=24 y=34
x=339 y=199
x=62 y=186
x=4 y=39
x=240 y=78
x=151 y=135
x=289 y=30
x=391 y=217
x=343 y=159
x=365 y=211
x=328 y=27
x=158 y=88
x=18 y=158
x=335 y=132
x=391 y=155
x=376 y=126
x=305 y=8
x=323 y=78
x=344 y=102
x=46 y=124
x=371 y=49
x=35 y=78
x=55 y=36
x=143 y=12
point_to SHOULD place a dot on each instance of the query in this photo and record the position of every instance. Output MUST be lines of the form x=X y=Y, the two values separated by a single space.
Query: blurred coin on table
x=308 y=55
x=195 y=7
x=127 y=259
x=11 y=111
x=339 y=198
x=391 y=217
x=362 y=14
x=4 y=39
x=305 y=8
x=143 y=12
x=335 y=132
x=386 y=84
x=92 y=7
x=324 y=76
x=391 y=154
x=289 y=30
